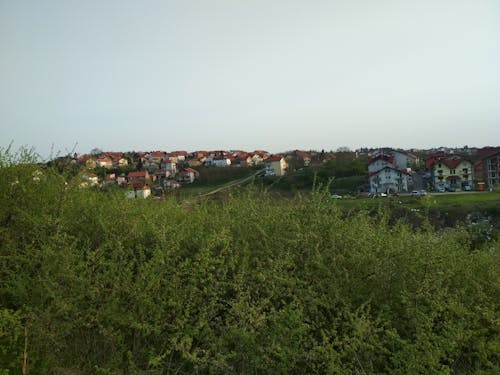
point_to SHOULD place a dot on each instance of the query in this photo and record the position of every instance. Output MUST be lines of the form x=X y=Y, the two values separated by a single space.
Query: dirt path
x=231 y=184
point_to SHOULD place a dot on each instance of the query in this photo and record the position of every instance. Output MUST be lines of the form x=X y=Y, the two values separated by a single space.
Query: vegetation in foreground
x=247 y=284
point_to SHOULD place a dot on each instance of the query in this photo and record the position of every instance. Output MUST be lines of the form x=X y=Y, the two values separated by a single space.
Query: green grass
x=465 y=202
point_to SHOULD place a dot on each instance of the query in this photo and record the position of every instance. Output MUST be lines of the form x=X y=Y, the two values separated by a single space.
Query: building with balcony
x=453 y=173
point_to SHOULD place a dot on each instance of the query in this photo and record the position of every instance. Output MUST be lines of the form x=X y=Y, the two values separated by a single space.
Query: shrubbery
x=249 y=284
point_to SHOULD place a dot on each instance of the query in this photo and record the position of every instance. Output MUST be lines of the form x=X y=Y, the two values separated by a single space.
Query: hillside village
x=386 y=170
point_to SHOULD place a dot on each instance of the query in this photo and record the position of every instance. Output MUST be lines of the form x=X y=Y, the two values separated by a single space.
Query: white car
x=418 y=193
x=336 y=196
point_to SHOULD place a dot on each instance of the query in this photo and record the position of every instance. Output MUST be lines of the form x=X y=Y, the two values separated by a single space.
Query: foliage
x=248 y=284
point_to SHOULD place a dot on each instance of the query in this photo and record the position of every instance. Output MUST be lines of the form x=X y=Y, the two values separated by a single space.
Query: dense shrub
x=249 y=284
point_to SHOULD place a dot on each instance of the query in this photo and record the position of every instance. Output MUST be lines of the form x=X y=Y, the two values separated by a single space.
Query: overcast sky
x=249 y=74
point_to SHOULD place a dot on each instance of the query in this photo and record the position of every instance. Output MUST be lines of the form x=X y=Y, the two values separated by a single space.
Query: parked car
x=450 y=188
x=418 y=193
x=467 y=188
x=440 y=189
x=336 y=196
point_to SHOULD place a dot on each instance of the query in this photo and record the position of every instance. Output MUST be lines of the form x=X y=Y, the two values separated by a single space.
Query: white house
x=403 y=160
x=105 y=162
x=221 y=162
x=91 y=178
x=122 y=162
x=170 y=166
x=171 y=184
x=275 y=166
x=257 y=159
x=143 y=192
x=390 y=179
x=452 y=172
x=379 y=162
x=187 y=176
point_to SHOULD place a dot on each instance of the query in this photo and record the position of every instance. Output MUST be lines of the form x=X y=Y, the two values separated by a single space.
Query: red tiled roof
x=138 y=174
x=302 y=154
x=192 y=170
x=451 y=163
x=113 y=155
x=277 y=157
x=158 y=154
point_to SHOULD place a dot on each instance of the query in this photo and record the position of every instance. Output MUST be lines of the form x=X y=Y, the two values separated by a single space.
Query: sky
x=248 y=74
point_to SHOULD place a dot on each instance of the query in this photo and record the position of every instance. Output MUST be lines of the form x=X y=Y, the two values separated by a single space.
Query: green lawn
x=457 y=205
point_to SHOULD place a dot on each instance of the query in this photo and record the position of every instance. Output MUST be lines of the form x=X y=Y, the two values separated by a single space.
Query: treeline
x=248 y=284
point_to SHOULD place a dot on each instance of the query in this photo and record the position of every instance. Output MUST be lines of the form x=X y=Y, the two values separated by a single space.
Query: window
x=452 y=171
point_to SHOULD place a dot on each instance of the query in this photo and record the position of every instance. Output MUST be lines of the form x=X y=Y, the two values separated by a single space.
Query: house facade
x=379 y=162
x=221 y=162
x=403 y=160
x=275 y=166
x=390 y=180
x=489 y=169
x=187 y=176
x=140 y=176
x=452 y=173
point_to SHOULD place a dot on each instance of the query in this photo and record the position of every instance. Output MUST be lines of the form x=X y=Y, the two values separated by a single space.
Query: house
x=488 y=168
x=87 y=161
x=177 y=156
x=303 y=156
x=171 y=184
x=91 y=178
x=275 y=165
x=121 y=179
x=122 y=162
x=195 y=162
x=104 y=162
x=452 y=172
x=115 y=157
x=161 y=174
x=379 y=162
x=263 y=154
x=157 y=156
x=139 y=190
x=110 y=178
x=143 y=191
x=403 y=160
x=219 y=161
x=187 y=176
x=140 y=176
x=257 y=159
x=170 y=166
x=390 y=179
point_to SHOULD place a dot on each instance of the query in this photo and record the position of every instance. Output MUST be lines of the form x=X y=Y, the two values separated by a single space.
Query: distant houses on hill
x=389 y=170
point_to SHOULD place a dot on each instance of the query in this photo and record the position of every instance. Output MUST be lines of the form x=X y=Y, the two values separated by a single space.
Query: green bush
x=248 y=284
